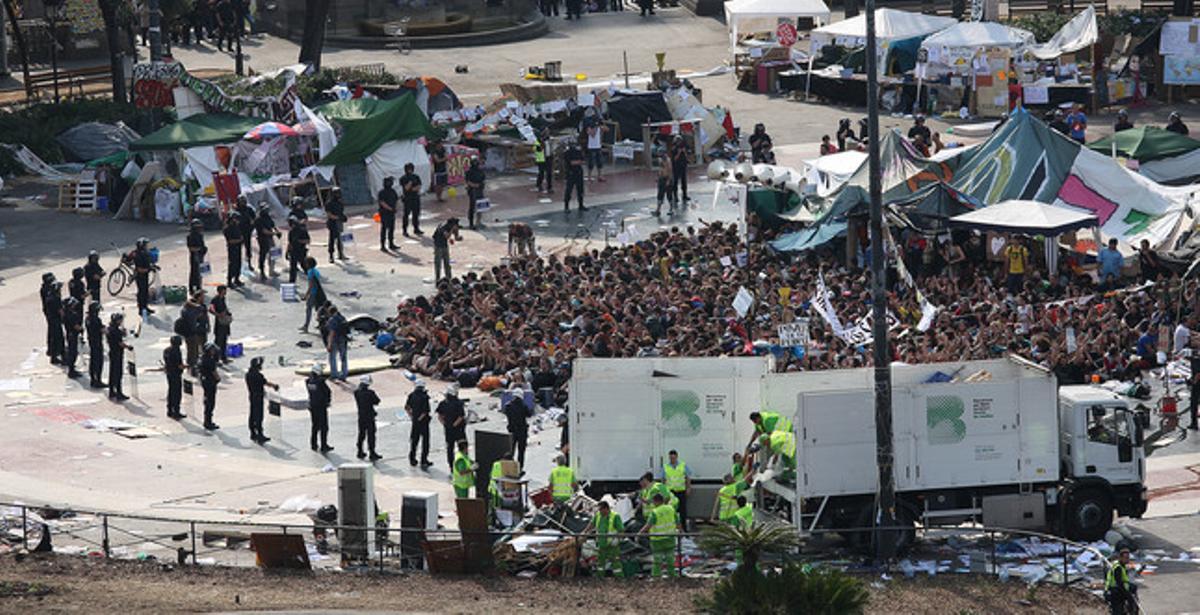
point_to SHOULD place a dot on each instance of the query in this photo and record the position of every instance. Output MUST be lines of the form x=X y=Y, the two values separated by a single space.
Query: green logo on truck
x=680 y=413
x=943 y=417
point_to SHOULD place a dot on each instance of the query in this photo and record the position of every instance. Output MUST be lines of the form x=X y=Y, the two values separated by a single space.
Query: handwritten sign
x=794 y=333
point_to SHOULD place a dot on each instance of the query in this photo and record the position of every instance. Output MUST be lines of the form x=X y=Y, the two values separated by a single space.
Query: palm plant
x=770 y=538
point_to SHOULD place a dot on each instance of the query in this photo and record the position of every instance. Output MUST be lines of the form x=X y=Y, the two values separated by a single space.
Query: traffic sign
x=786 y=34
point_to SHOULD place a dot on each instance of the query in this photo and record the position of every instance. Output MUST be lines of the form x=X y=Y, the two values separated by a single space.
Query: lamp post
x=238 y=62
x=885 y=516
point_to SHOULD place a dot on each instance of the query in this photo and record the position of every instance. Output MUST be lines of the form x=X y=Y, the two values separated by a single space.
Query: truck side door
x=1109 y=445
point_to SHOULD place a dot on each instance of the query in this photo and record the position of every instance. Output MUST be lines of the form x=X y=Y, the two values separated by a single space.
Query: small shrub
x=794 y=589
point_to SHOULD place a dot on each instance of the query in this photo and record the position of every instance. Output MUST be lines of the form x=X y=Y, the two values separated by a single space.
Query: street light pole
x=156 y=49
x=238 y=62
x=886 y=497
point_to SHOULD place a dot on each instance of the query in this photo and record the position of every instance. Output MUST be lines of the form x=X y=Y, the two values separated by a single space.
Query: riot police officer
x=196 y=252
x=256 y=386
x=319 y=398
x=297 y=246
x=233 y=249
x=142 y=265
x=116 y=356
x=77 y=285
x=209 y=377
x=52 y=307
x=366 y=400
x=73 y=327
x=93 y=274
x=95 y=337
x=173 y=367
x=335 y=220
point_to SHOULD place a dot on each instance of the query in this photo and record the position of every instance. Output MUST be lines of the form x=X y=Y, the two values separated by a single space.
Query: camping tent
x=93 y=140
x=891 y=26
x=955 y=46
x=1028 y=217
x=385 y=134
x=1079 y=33
x=432 y=94
x=1146 y=143
x=197 y=130
x=748 y=15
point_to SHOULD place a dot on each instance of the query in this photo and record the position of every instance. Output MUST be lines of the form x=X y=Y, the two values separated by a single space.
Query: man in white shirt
x=1182 y=336
x=595 y=150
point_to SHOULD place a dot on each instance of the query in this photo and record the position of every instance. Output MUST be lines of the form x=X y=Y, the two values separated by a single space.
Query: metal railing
x=111 y=535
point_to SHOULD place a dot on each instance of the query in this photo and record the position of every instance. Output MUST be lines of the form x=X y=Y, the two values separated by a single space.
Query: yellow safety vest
x=727 y=500
x=664 y=522
x=676 y=476
x=772 y=422
x=561 y=478
x=539 y=151
x=1117 y=569
x=605 y=525
x=744 y=516
x=784 y=442
x=463 y=476
x=647 y=495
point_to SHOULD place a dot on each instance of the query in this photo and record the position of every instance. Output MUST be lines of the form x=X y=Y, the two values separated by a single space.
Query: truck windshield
x=1107 y=425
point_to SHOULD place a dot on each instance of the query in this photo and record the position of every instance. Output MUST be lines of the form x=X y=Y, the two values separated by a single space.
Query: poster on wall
x=1181 y=70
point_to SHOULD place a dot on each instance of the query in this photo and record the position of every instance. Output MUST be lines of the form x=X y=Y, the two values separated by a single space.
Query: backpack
x=182 y=327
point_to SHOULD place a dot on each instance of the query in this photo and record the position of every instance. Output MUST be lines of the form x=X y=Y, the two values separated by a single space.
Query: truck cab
x=1102 y=460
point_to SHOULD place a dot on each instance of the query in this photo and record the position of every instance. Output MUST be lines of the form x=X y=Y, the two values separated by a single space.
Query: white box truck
x=1008 y=448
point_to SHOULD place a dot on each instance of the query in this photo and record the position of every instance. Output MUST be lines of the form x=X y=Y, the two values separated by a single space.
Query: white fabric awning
x=1028 y=217
x=1076 y=34
x=738 y=12
x=890 y=24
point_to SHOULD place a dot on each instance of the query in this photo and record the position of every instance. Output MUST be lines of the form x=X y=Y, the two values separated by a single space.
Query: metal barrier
x=110 y=535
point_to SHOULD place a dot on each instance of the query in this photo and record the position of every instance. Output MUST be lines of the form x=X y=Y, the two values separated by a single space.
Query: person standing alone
x=453 y=416
x=335 y=220
x=417 y=407
x=256 y=386
x=196 y=252
x=223 y=321
x=445 y=234
x=573 y=160
x=366 y=400
x=233 y=249
x=678 y=478
x=173 y=367
x=410 y=189
x=476 y=179
x=116 y=356
x=387 y=215
x=517 y=413
x=209 y=377
x=319 y=398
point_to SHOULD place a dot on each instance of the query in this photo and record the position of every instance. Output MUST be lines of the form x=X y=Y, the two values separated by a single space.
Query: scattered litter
x=16 y=384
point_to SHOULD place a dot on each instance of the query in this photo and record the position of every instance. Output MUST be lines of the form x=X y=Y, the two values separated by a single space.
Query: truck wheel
x=861 y=540
x=1089 y=515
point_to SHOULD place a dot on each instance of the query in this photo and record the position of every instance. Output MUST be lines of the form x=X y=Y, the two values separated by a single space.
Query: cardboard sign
x=743 y=301
x=794 y=333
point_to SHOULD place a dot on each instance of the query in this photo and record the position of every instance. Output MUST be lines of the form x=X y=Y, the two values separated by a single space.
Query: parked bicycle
x=122 y=276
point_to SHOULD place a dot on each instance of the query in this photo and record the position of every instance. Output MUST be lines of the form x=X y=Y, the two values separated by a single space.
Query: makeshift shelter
x=1078 y=33
x=753 y=15
x=197 y=130
x=891 y=26
x=632 y=109
x=432 y=94
x=955 y=47
x=1174 y=171
x=1145 y=143
x=1026 y=217
x=931 y=207
x=92 y=140
x=385 y=134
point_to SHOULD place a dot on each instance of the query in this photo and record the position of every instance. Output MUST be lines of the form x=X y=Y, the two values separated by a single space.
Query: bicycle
x=122 y=276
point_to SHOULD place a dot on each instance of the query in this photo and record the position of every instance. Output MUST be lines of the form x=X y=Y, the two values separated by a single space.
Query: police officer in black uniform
x=417 y=406
x=335 y=221
x=142 y=265
x=319 y=398
x=387 y=199
x=233 y=249
x=196 y=252
x=53 y=324
x=222 y=320
x=116 y=356
x=265 y=231
x=410 y=194
x=209 y=377
x=366 y=400
x=77 y=286
x=256 y=385
x=173 y=367
x=297 y=246
x=73 y=327
x=52 y=307
x=246 y=224
x=95 y=336
x=94 y=275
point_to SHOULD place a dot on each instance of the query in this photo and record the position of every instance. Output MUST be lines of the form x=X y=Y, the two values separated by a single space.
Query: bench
x=42 y=83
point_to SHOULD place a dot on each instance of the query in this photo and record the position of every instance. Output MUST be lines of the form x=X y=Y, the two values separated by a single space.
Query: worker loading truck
x=996 y=442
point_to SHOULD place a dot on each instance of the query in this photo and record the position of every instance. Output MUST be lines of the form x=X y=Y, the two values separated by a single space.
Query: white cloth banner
x=1079 y=33
x=743 y=301
x=326 y=137
x=389 y=160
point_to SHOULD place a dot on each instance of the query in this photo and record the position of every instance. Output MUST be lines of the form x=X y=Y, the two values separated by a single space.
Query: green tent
x=197 y=130
x=368 y=123
x=1146 y=143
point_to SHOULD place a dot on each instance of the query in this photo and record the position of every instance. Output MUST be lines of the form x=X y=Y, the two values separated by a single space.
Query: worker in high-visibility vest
x=743 y=517
x=608 y=550
x=649 y=487
x=726 y=503
x=738 y=469
x=494 y=487
x=1119 y=591
x=662 y=523
x=678 y=478
x=562 y=481
x=464 y=471
x=781 y=444
x=766 y=423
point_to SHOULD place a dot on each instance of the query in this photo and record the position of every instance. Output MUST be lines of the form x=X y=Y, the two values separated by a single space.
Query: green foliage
x=35 y=127
x=795 y=588
x=1043 y=24
x=751 y=542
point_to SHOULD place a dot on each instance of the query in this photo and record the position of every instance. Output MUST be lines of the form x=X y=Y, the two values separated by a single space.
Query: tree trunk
x=10 y=6
x=316 y=13
x=108 y=9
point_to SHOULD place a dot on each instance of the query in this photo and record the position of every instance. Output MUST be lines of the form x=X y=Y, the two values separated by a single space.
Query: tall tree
x=108 y=10
x=11 y=6
x=316 y=13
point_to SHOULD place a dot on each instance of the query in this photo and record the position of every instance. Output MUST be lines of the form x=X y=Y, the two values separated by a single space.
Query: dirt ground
x=62 y=584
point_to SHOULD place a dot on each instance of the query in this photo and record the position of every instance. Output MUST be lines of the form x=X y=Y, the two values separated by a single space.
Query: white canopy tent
x=1030 y=218
x=955 y=46
x=755 y=15
x=890 y=25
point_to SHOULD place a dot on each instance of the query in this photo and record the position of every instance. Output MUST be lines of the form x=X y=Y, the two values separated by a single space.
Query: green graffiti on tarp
x=1137 y=221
